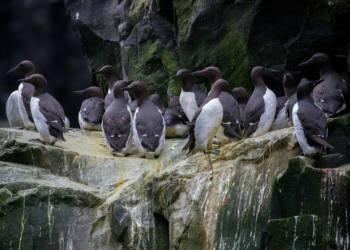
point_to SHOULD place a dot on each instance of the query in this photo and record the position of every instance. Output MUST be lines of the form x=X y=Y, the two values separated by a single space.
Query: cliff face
x=150 y=40
x=256 y=194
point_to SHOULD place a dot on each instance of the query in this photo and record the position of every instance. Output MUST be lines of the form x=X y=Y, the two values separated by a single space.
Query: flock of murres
x=222 y=116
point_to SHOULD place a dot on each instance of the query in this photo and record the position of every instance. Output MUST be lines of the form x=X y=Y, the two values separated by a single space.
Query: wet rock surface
x=76 y=195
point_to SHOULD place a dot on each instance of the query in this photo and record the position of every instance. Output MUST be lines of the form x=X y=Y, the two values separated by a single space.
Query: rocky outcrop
x=255 y=194
x=150 y=40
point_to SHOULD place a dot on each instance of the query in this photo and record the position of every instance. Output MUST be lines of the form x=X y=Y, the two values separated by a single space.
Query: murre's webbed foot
x=37 y=140
x=20 y=128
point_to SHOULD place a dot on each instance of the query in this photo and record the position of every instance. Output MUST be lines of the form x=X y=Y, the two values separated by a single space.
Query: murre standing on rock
x=112 y=77
x=207 y=120
x=331 y=94
x=191 y=96
x=230 y=128
x=92 y=109
x=176 y=121
x=261 y=107
x=281 y=116
x=117 y=122
x=242 y=97
x=148 y=123
x=18 y=105
x=309 y=121
x=47 y=113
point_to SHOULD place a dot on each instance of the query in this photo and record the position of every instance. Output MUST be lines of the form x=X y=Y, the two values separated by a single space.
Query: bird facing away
x=230 y=127
x=281 y=117
x=18 y=104
x=242 y=97
x=331 y=94
x=191 y=96
x=309 y=121
x=47 y=113
x=92 y=109
x=176 y=121
x=112 y=77
x=261 y=107
x=117 y=122
x=148 y=123
x=207 y=120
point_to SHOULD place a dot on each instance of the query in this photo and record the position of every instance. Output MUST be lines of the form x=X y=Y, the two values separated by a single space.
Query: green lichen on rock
x=154 y=65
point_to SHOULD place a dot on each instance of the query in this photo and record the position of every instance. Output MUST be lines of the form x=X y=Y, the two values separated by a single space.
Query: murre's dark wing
x=92 y=110
x=150 y=125
x=117 y=126
x=314 y=125
x=252 y=113
x=27 y=93
x=231 y=115
x=54 y=114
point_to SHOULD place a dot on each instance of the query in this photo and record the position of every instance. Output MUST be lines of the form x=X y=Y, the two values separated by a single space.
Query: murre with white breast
x=18 y=105
x=47 y=113
x=261 y=107
x=230 y=129
x=207 y=120
x=191 y=96
x=309 y=121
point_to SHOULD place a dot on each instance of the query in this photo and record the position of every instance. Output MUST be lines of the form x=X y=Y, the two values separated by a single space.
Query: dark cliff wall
x=150 y=40
x=40 y=31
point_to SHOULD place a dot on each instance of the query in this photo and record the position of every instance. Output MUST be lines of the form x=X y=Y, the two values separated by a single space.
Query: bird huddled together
x=127 y=114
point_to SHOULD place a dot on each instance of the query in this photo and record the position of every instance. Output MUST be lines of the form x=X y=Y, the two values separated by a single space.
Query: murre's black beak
x=317 y=82
x=79 y=92
x=125 y=88
x=304 y=64
x=96 y=72
x=174 y=77
x=22 y=80
x=196 y=73
x=12 y=70
x=274 y=71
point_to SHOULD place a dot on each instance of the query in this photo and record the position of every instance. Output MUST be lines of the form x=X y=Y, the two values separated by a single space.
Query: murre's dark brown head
x=288 y=80
x=182 y=74
x=26 y=67
x=318 y=60
x=212 y=73
x=91 y=92
x=258 y=73
x=305 y=88
x=241 y=95
x=111 y=74
x=118 y=87
x=289 y=84
x=38 y=81
x=138 y=89
x=219 y=86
